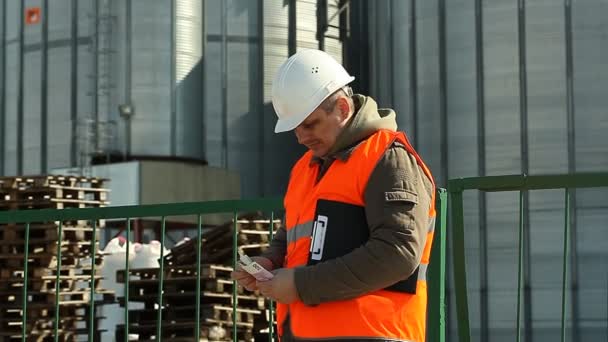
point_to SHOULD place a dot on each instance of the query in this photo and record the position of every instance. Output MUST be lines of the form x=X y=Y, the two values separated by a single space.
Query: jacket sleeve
x=278 y=246
x=397 y=197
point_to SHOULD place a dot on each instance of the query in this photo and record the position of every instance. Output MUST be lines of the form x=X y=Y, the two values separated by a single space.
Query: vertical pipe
x=260 y=95
x=199 y=241
x=58 y=281
x=224 y=85
x=413 y=73
x=92 y=283
x=520 y=262
x=570 y=112
x=565 y=262
x=128 y=72
x=95 y=79
x=20 y=85
x=391 y=55
x=74 y=83
x=161 y=274
x=203 y=83
x=26 y=256
x=127 y=278
x=44 y=89
x=458 y=255
x=321 y=23
x=481 y=166
x=525 y=163
x=173 y=88
x=291 y=28
x=3 y=86
x=443 y=98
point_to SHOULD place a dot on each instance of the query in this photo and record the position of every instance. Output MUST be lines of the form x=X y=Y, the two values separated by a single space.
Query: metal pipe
x=525 y=162
x=173 y=90
x=74 y=84
x=570 y=112
x=443 y=91
x=224 y=61
x=128 y=73
x=20 y=85
x=413 y=73
x=481 y=166
x=96 y=79
x=44 y=89
x=3 y=87
x=260 y=97
x=203 y=86
x=391 y=59
x=291 y=28
x=321 y=23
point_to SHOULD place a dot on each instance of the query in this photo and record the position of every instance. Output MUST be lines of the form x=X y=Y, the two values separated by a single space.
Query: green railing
x=520 y=183
x=436 y=312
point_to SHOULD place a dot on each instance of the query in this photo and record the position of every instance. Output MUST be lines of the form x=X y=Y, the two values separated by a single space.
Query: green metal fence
x=521 y=183
x=436 y=314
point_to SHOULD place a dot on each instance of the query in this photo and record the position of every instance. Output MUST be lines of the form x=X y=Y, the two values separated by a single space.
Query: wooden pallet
x=14 y=298
x=70 y=266
x=184 y=331
x=246 y=300
x=49 y=283
x=49 y=180
x=186 y=313
x=208 y=271
x=48 y=231
x=55 y=191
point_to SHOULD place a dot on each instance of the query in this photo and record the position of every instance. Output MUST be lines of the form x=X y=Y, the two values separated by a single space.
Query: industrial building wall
x=246 y=43
x=69 y=64
x=508 y=87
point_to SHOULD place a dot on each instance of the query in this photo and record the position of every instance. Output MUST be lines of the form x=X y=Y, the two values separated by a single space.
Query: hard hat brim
x=290 y=123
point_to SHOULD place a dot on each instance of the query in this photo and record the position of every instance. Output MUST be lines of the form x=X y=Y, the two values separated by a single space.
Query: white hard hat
x=302 y=83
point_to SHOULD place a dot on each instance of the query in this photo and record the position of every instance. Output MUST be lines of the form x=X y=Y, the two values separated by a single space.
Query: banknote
x=253 y=268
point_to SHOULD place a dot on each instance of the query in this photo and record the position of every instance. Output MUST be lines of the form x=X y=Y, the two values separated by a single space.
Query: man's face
x=320 y=130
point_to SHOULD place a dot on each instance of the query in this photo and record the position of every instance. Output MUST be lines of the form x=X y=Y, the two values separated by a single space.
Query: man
x=350 y=263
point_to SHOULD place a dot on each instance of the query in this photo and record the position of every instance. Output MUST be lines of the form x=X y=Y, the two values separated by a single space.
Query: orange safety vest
x=378 y=314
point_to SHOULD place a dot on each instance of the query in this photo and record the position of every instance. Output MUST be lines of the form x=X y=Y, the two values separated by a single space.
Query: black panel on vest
x=345 y=230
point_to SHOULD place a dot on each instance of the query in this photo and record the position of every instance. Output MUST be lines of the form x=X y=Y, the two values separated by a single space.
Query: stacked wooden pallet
x=216 y=289
x=73 y=278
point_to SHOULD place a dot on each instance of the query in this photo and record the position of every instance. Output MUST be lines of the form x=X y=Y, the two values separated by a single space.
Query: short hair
x=329 y=103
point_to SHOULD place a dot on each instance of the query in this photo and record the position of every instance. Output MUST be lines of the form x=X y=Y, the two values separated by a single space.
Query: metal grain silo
x=69 y=65
x=507 y=87
x=40 y=43
x=162 y=48
x=246 y=43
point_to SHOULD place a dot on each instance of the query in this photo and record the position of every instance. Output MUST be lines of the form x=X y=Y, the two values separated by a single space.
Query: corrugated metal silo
x=95 y=55
x=508 y=88
x=243 y=53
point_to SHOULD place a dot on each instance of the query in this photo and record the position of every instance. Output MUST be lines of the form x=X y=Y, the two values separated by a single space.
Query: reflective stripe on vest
x=379 y=314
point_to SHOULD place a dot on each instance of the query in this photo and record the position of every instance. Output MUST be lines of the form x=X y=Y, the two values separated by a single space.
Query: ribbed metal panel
x=151 y=77
x=243 y=54
x=59 y=90
x=508 y=110
x=12 y=83
x=233 y=87
x=189 y=78
x=280 y=150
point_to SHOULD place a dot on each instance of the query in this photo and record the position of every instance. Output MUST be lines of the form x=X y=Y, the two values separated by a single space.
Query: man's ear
x=343 y=107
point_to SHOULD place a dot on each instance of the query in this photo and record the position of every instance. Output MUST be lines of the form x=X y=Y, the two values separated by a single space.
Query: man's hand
x=245 y=279
x=282 y=287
